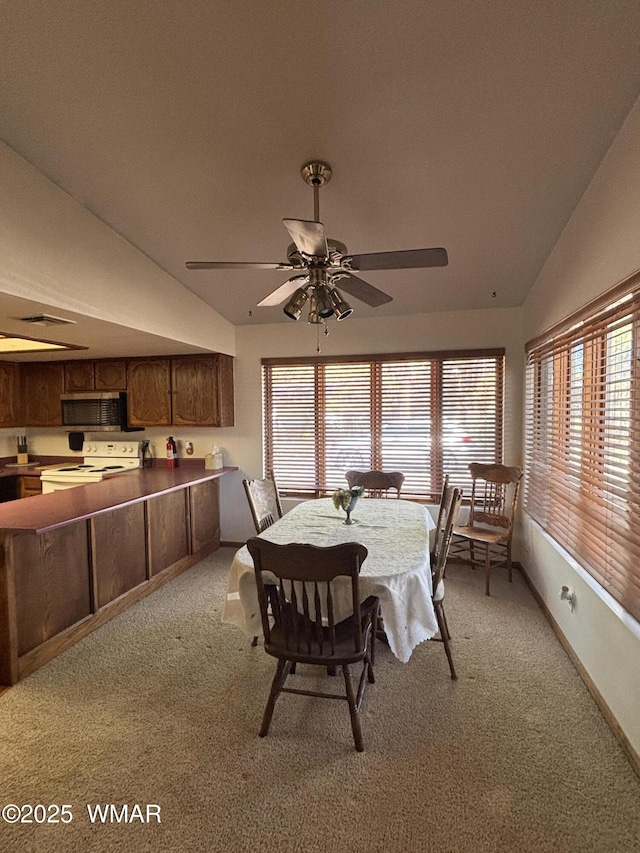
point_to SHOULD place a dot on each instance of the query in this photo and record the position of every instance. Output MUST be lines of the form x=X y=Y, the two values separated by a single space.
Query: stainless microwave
x=96 y=410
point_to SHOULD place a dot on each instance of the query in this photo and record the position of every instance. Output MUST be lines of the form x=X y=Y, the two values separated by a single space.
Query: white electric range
x=101 y=458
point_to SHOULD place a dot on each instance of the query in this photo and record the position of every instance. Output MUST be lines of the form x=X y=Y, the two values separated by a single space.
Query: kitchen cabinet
x=8 y=394
x=119 y=552
x=70 y=567
x=167 y=391
x=42 y=384
x=78 y=376
x=204 y=509
x=201 y=389
x=29 y=485
x=149 y=391
x=167 y=530
x=52 y=588
x=110 y=375
x=95 y=375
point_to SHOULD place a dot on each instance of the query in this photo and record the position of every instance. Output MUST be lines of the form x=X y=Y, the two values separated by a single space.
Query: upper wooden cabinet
x=95 y=375
x=78 y=376
x=110 y=375
x=41 y=386
x=149 y=391
x=9 y=410
x=190 y=390
x=202 y=391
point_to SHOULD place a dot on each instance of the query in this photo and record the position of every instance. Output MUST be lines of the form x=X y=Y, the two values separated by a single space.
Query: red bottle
x=172 y=452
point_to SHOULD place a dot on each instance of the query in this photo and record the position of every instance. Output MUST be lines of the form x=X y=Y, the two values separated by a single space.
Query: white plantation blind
x=583 y=441
x=424 y=414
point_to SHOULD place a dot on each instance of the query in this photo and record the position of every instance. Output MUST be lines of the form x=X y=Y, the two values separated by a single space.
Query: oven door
x=56 y=483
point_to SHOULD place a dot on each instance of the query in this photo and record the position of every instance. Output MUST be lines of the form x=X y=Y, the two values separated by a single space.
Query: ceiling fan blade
x=409 y=259
x=285 y=290
x=363 y=291
x=236 y=265
x=308 y=236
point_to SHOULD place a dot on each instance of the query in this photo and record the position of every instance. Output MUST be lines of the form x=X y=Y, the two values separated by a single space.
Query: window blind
x=424 y=414
x=583 y=441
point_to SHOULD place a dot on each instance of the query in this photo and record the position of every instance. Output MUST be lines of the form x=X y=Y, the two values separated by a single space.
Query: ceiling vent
x=47 y=320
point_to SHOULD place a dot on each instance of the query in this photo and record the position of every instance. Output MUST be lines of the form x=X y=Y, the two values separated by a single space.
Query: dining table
x=397 y=535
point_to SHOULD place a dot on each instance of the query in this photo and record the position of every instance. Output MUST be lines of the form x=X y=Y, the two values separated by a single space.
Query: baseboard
x=235 y=545
x=607 y=713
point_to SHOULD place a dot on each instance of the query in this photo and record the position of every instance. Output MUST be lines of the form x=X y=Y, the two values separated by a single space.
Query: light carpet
x=163 y=704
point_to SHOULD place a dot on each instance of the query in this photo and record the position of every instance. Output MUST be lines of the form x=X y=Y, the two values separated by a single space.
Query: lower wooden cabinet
x=52 y=583
x=167 y=530
x=204 y=506
x=29 y=485
x=58 y=586
x=119 y=556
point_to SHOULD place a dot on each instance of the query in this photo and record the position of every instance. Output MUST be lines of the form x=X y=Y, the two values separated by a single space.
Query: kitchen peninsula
x=72 y=560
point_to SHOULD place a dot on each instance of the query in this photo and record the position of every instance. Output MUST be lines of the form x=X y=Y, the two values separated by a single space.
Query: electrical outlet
x=188 y=448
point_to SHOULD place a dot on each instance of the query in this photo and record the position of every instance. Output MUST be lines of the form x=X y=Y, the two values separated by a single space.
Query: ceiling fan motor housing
x=316 y=173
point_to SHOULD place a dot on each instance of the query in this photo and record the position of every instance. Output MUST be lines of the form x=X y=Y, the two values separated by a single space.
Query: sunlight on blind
x=582 y=446
x=423 y=415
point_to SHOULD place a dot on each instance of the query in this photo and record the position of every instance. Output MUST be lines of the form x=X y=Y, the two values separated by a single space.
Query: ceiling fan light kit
x=341 y=308
x=326 y=261
x=294 y=306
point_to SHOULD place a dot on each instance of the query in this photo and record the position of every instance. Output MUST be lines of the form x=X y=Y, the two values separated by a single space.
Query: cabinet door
x=8 y=394
x=148 y=392
x=110 y=375
x=118 y=552
x=167 y=530
x=42 y=385
x=202 y=390
x=194 y=391
x=78 y=376
x=205 y=515
x=52 y=582
x=29 y=485
x=225 y=390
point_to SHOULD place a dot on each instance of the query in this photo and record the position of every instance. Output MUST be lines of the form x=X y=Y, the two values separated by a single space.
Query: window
x=420 y=413
x=583 y=440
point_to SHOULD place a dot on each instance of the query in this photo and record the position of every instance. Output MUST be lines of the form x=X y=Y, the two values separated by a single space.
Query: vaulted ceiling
x=474 y=125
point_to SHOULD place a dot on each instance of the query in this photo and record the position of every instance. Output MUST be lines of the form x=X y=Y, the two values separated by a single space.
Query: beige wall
x=454 y=330
x=599 y=247
x=54 y=251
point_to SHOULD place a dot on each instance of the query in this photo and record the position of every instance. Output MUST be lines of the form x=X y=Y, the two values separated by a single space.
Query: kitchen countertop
x=46 y=512
x=32 y=469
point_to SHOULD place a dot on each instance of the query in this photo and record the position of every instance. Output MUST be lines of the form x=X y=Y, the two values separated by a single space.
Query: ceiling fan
x=320 y=262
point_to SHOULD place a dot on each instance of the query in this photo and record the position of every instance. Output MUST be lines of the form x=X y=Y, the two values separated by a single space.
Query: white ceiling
x=475 y=125
x=97 y=338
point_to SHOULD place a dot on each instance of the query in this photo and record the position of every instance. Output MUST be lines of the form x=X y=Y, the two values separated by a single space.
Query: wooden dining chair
x=452 y=501
x=301 y=590
x=494 y=496
x=443 y=508
x=264 y=501
x=265 y=506
x=377 y=483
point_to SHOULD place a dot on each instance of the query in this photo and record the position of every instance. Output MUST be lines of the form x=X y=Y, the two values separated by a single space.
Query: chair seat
x=312 y=651
x=480 y=534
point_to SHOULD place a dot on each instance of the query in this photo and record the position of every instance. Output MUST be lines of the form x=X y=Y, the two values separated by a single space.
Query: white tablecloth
x=397 y=536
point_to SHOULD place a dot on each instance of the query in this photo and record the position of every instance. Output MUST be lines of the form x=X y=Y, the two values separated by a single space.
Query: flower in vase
x=342 y=497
